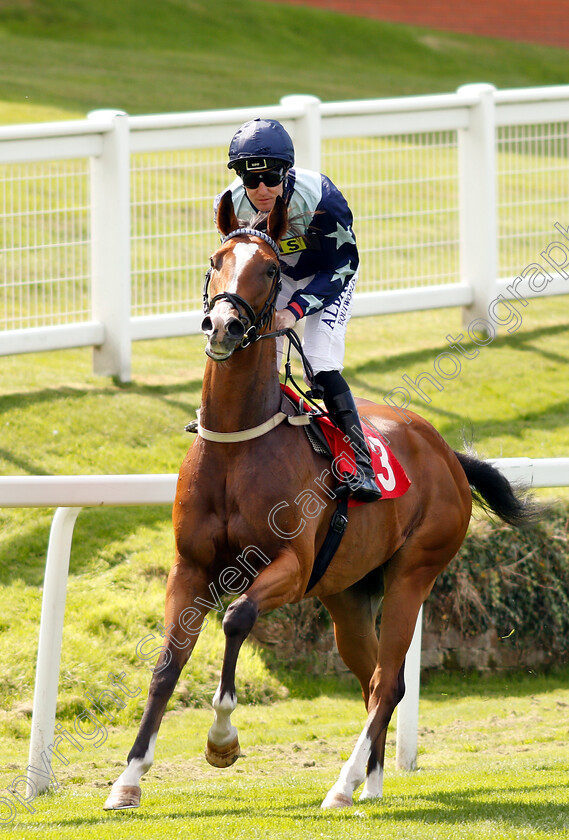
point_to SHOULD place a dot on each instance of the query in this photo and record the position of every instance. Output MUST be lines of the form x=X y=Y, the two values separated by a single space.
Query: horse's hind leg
x=354 y=612
x=183 y=620
x=405 y=591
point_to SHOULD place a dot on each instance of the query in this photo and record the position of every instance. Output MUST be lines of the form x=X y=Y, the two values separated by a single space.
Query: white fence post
x=408 y=708
x=477 y=185
x=308 y=132
x=110 y=246
x=49 y=646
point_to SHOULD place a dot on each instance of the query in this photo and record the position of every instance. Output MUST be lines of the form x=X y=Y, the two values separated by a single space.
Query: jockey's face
x=263 y=197
x=263 y=185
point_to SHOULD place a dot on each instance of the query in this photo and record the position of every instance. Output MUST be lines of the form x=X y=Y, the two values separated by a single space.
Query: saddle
x=327 y=439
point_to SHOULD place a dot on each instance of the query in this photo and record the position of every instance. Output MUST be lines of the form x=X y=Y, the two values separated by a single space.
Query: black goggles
x=270 y=178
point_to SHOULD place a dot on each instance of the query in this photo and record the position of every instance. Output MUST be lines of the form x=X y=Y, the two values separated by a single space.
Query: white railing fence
x=107 y=222
x=70 y=493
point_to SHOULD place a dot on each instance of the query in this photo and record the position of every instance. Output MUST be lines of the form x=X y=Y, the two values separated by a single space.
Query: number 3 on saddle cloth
x=390 y=476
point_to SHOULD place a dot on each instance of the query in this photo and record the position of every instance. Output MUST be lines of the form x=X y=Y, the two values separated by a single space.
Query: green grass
x=57 y=417
x=189 y=55
x=492 y=753
x=492 y=764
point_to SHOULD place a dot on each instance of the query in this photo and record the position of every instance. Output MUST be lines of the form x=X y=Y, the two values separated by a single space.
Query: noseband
x=253 y=324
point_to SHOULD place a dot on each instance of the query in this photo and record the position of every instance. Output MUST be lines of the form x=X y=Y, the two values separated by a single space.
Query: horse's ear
x=277 y=223
x=226 y=219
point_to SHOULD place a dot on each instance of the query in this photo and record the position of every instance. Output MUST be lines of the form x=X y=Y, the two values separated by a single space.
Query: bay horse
x=241 y=467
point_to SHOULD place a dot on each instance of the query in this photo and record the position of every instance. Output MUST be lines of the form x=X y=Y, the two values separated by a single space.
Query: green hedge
x=516 y=581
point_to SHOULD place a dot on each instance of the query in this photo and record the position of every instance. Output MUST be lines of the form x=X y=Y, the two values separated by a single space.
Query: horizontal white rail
x=68 y=128
x=103 y=490
x=535 y=472
x=86 y=490
x=166 y=326
x=412 y=300
x=63 y=337
x=52 y=141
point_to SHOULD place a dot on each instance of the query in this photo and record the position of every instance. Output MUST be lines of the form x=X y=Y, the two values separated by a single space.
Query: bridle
x=253 y=324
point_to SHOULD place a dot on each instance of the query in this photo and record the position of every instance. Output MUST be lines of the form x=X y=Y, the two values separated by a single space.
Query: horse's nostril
x=235 y=329
x=207 y=324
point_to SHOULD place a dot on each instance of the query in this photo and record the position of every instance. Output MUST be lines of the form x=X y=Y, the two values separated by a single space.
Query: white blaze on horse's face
x=243 y=252
x=222 y=327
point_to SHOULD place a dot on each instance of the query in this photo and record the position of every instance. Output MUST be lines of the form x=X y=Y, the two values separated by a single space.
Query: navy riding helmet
x=266 y=141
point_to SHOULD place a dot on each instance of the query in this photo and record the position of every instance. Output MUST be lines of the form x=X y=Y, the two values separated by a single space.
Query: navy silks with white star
x=328 y=257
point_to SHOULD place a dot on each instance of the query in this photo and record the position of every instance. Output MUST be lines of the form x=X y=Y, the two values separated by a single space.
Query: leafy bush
x=514 y=581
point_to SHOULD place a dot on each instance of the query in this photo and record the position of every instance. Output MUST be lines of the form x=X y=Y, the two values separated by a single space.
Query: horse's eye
x=272 y=271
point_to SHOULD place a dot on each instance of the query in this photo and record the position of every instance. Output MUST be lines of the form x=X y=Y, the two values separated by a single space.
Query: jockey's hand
x=284 y=319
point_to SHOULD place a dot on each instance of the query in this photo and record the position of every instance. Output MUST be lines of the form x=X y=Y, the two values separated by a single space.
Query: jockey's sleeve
x=334 y=262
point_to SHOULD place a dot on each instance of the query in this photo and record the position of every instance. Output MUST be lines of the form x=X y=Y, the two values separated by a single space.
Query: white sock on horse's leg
x=351 y=776
x=222 y=732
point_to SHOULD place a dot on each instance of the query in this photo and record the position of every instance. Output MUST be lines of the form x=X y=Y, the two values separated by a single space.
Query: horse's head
x=243 y=282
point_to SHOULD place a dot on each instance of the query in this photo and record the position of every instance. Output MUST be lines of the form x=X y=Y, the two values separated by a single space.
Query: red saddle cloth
x=390 y=476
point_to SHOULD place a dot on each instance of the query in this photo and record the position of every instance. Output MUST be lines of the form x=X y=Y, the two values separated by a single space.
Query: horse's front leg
x=222 y=748
x=184 y=619
x=277 y=584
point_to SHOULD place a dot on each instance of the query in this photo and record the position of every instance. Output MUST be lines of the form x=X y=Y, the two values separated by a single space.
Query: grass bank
x=75 y=56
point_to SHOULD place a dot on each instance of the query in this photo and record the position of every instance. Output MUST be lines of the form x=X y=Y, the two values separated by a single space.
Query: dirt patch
x=511 y=20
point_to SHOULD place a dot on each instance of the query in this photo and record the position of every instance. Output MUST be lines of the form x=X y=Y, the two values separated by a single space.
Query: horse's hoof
x=222 y=756
x=337 y=800
x=123 y=796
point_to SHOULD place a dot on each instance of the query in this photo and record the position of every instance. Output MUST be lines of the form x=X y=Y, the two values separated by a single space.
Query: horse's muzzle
x=223 y=334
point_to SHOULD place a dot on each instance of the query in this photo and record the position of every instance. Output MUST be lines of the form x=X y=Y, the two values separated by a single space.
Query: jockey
x=319 y=262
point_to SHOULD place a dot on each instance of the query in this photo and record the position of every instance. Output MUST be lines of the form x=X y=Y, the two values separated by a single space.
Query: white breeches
x=324 y=331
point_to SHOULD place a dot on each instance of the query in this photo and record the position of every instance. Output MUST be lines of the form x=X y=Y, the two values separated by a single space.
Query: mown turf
x=182 y=55
x=492 y=763
x=59 y=418
x=492 y=754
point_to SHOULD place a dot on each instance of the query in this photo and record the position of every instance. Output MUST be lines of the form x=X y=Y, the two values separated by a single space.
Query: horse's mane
x=259 y=222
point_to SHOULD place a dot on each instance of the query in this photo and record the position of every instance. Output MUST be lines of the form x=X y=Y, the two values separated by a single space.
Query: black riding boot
x=344 y=413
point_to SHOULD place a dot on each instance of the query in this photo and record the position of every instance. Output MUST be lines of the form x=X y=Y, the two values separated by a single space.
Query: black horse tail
x=492 y=491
